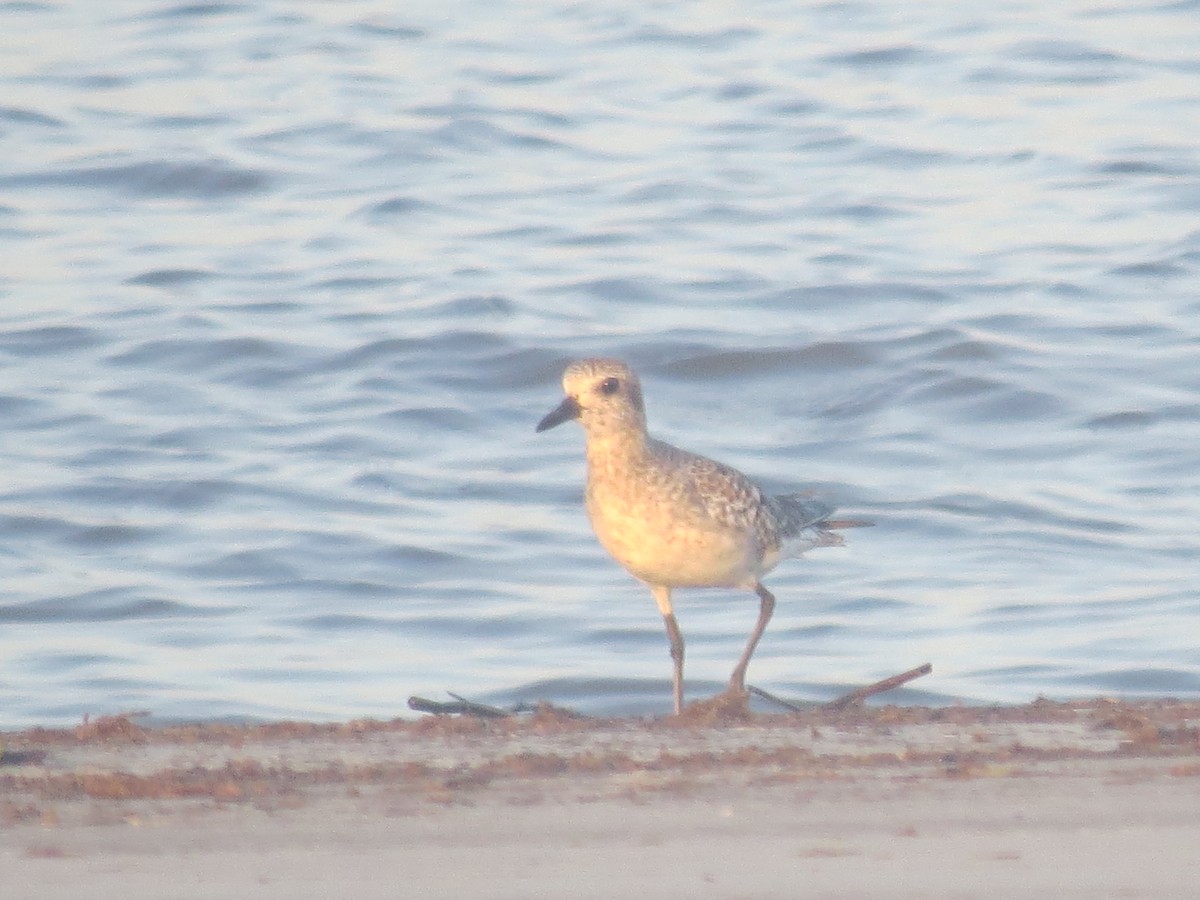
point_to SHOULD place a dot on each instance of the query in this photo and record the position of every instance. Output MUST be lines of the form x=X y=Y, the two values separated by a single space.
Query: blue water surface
x=286 y=286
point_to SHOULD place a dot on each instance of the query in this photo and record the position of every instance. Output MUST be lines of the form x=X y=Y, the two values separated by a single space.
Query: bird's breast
x=663 y=539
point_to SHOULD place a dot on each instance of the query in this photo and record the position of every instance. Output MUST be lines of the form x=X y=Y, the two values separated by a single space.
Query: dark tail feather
x=845 y=523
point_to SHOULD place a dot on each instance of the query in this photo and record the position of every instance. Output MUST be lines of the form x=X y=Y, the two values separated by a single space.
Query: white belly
x=671 y=551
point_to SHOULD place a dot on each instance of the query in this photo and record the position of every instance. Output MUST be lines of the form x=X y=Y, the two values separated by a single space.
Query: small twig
x=879 y=687
x=786 y=704
x=460 y=706
x=21 y=757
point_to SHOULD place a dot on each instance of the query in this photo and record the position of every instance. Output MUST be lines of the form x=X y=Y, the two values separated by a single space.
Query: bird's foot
x=731 y=705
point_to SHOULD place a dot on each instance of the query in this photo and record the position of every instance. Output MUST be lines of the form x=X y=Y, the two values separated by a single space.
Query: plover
x=674 y=519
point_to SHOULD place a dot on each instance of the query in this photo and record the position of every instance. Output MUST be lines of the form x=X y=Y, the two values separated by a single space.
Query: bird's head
x=603 y=394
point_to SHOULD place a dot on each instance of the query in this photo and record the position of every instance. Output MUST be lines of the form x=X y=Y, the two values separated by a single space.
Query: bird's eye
x=610 y=386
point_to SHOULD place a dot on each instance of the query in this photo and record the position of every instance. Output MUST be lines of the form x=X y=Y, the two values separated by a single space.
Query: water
x=286 y=286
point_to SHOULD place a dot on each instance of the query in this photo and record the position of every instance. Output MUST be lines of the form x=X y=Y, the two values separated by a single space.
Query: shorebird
x=674 y=519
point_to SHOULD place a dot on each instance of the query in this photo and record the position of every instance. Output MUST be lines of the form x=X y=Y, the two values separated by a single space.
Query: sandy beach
x=1089 y=799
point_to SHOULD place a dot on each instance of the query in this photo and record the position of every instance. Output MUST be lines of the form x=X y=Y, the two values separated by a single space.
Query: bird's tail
x=794 y=512
x=805 y=523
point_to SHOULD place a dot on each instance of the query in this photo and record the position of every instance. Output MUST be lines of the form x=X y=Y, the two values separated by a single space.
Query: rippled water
x=286 y=287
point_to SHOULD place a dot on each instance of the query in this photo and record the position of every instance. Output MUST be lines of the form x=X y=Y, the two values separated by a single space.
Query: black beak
x=568 y=409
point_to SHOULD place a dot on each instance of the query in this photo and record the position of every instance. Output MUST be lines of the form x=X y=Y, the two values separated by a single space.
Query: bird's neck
x=620 y=448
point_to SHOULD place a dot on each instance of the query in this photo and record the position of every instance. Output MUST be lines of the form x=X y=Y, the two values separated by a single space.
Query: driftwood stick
x=851 y=699
x=879 y=687
x=459 y=706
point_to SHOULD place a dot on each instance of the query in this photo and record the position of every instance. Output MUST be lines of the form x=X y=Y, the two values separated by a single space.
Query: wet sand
x=1090 y=799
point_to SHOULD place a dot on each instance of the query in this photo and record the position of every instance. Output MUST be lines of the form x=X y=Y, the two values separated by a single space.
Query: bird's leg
x=677 y=657
x=737 y=681
x=662 y=596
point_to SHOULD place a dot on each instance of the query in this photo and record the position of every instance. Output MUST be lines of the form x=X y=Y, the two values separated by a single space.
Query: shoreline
x=1090 y=798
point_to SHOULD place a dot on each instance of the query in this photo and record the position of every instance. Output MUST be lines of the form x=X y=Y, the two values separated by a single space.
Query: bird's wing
x=719 y=492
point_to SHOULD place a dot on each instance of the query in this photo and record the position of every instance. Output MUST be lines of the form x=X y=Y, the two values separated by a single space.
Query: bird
x=675 y=519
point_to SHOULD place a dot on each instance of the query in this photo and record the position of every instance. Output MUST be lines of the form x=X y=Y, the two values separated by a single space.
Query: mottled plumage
x=675 y=519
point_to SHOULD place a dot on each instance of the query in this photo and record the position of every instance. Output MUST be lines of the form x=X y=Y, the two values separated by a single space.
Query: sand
x=1091 y=799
